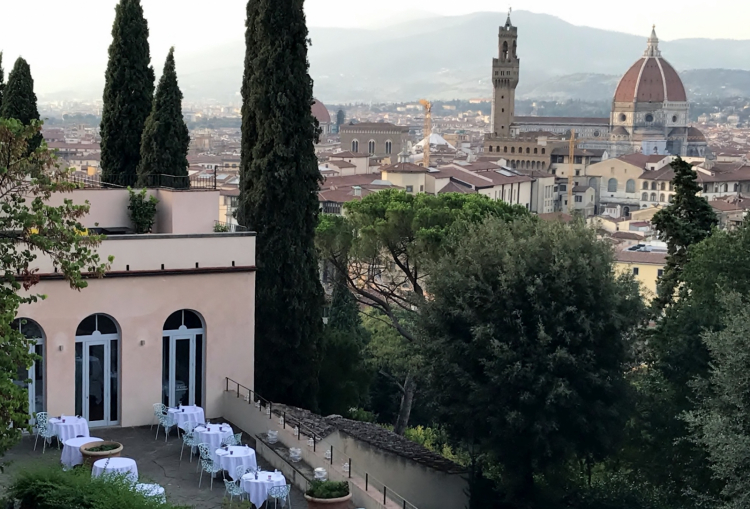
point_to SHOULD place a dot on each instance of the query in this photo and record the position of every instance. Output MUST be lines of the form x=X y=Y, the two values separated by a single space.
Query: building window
x=653 y=197
x=32 y=332
x=528 y=150
x=645 y=185
x=371 y=146
x=649 y=118
x=536 y=150
x=355 y=146
x=622 y=117
x=505 y=149
x=612 y=186
x=674 y=118
x=635 y=271
x=726 y=188
x=660 y=273
x=671 y=186
x=543 y=151
x=578 y=159
x=653 y=186
x=663 y=186
x=490 y=148
x=421 y=189
x=630 y=186
x=579 y=199
x=409 y=189
x=183 y=335
x=389 y=147
x=736 y=187
x=512 y=150
x=96 y=394
x=644 y=197
x=661 y=198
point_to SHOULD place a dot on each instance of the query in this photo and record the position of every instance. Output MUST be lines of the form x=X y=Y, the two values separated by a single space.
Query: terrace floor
x=157 y=461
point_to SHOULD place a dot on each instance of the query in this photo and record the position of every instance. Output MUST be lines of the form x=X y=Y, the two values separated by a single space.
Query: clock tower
x=505 y=70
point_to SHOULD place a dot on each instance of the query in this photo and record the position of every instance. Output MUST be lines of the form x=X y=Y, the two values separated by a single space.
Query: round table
x=152 y=491
x=257 y=489
x=115 y=466
x=183 y=415
x=73 y=427
x=235 y=456
x=212 y=438
x=71 y=453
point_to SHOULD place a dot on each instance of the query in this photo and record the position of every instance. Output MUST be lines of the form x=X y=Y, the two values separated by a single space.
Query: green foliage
x=53 y=488
x=362 y=415
x=340 y=118
x=221 y=228
x=279 y=182
x=721 y=422
x=328 y=489
x=142 y=210
x=165 y=141
x=686 y=221
x=2 y=79
x=128 y=94
x=19 y=99
x=525 y=338
x=104 y=448
x=617 y=491
x=31 y=227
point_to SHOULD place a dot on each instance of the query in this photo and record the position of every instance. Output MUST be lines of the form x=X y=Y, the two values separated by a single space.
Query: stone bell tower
x=505 y=70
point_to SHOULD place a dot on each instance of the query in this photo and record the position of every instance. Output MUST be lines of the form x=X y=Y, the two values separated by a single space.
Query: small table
x=71 y=453
x=183 y=415
x=235 y=456
x=257 y=489
x=152 y=491
x=73 y=427
x=115 y=466
x=212 y=435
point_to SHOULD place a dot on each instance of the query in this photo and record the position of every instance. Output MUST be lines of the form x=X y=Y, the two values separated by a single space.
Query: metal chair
x=207 y=464
x=158 y=409
x=165 y=421
x=188 y=438
x=235 y=439
x=280 y=493
x=234 y=488
x=44 y=430
x=239 y=472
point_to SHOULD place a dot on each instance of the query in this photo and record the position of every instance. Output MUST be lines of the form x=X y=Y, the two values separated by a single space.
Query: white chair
x=157 y=410
x=165 y=421
x=207 y=464
x=188 y=438
x=235 y=439
x=281 y=493
x=44 y=430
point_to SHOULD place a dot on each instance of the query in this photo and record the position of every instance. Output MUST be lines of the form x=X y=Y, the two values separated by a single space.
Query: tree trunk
x=407 y=399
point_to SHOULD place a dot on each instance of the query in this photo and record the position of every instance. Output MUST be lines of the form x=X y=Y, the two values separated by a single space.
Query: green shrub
x=142 y=210
x=221 y=228
x=52 y=488
x=328 y=489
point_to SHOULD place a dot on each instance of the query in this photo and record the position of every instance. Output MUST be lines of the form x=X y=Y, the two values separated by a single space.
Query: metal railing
x=158 y=181
x=372 y=484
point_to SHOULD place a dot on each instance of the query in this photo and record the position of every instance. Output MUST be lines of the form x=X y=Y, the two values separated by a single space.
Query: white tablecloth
x=71 y=454
x=152 y=491
x=115 y=466
x=213 y=437
x=183 y=415
x=235 y=456
x=257 y=490
x=71 y=428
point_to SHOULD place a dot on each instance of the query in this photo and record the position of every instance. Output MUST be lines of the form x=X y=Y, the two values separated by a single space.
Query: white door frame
x=183 y=334
x=105 y=340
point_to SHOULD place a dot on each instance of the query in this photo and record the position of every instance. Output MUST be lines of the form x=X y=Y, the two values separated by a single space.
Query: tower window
x=622 y=117
x=355 y=146
x=536 y=150
x=512 y=150
x=388 y=147
x=371 y=146
x=528 y=150
x=505 y=149
x=543 y=151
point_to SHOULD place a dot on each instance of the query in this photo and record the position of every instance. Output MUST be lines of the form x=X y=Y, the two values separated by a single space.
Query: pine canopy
x=19 y=99
x=166 y=138
x=128 y=93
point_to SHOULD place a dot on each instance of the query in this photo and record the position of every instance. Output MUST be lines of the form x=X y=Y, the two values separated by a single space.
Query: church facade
x=649 y=112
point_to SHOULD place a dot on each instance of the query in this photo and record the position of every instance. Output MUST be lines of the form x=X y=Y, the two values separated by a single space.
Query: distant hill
x=451 y=57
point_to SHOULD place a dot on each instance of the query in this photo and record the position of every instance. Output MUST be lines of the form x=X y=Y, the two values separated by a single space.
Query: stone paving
x=158 y=462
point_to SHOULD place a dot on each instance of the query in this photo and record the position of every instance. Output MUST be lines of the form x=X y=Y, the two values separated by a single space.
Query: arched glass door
x=33 y=333
x=182 y=359
x=97 y=365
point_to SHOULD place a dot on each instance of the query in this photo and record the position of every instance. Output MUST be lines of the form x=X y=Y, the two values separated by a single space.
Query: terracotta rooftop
x=404 y=168
x=556 y=216
x=348 y=155
x=452 y=187
x=654 y=258
x=561 y=120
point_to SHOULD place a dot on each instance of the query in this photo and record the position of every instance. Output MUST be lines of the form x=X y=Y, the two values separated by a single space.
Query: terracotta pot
x=329 y=503
x=89 y=457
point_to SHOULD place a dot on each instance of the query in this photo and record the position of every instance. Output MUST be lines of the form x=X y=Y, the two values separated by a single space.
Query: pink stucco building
x=171 y=320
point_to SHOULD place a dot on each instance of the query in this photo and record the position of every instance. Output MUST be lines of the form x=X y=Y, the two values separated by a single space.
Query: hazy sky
x=60 y=34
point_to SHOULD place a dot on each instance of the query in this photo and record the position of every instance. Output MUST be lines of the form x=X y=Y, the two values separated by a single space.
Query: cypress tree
x=19 y=99
x=278 y=199
x=128 y=94
x=2 y=79
x=166 y=139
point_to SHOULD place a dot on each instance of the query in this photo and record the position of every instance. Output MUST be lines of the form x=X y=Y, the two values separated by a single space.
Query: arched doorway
x=182 y=359
x=34 y=334
x=97 y=365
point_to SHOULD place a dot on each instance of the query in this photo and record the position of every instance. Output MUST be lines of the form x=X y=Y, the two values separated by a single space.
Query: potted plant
x=328 y=495
x=97 y=450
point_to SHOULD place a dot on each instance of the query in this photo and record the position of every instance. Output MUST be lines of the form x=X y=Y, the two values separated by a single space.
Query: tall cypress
x=166 y=139
x=19 y=99
x=2 y=79
x=128 y=94
x=278 y=199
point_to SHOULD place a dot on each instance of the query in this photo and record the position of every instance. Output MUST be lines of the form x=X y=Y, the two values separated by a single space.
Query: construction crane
x=427 y=130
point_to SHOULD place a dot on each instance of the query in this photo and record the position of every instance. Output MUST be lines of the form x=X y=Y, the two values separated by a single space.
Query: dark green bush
x=328 y=489
x=52 y=488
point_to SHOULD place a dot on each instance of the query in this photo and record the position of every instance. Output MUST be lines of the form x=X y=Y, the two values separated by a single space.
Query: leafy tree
x=686 y=221
x=31 y=228
x=525 y=336
x=128 y=94
x=383 y=246
x=279 y=181
x=19 y=99
x=340 y=118
x=721 y=422
x=166 y=139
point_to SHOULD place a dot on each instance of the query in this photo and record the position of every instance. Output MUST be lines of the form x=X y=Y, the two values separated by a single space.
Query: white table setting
x=185 y=414
x=71 y=453
x=212 y=435
x=257 y=489
x=236 y=455
x=115 y=466
x=67 y=427
x=152 y=491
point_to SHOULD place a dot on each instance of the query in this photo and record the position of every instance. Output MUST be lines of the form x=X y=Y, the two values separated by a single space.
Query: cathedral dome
x=651 y=79
x=320 y=112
